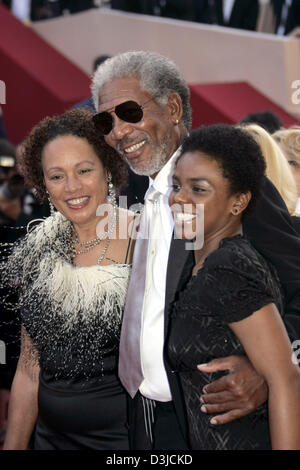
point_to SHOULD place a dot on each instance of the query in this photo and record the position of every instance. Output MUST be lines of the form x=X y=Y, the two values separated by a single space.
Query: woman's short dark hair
x=76 y=122
x=237 y=154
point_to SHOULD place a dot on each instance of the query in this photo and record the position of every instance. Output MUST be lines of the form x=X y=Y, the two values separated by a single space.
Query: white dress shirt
x=227 y=9
x=284 y=15
x=21 y=9
x=155 y=384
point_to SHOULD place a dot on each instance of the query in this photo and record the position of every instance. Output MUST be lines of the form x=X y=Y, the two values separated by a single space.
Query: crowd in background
x=37 y=10
x=242 y=14
x=18 y=205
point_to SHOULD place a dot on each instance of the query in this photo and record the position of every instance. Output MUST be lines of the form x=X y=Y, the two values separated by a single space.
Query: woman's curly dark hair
x=238 y=155
x=77 y=122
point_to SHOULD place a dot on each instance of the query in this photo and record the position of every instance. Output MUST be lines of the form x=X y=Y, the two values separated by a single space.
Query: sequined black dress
x=83 y=413
x=72 y=316
x=234 y=282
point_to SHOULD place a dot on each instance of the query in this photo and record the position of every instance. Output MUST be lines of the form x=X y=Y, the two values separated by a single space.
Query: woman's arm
x=23 y=406
x=268 y=347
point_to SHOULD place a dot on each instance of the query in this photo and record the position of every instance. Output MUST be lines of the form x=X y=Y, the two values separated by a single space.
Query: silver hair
x=158 y=75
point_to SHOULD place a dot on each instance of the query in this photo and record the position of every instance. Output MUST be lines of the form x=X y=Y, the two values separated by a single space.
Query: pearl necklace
x=90 y=244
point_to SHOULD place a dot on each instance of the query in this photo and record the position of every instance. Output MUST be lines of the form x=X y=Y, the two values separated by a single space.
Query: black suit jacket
x=136 y=189
x=271 y=231
x=293 y=18
x=296 y=223
x=179 y=9
x=49 y=11
x=132 y=6
x=53 y=9
x=243 y=16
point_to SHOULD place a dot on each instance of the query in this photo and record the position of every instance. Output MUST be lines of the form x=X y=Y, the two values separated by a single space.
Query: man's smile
x=134 y=147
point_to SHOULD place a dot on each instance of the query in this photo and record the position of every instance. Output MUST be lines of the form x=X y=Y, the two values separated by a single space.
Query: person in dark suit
x=76 y=6
x=46 y=9
x=287 y=15
x=41 y=9
x=177 y=9
x=243 y=15
x=131 y=6
x=296 y=222
x=144 y=113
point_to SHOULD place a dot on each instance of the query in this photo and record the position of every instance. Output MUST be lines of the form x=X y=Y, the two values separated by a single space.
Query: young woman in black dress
x=233 y=303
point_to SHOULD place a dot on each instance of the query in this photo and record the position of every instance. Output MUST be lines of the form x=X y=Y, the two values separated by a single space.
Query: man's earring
x=177 y=122
x=52 y=211
x=235 y=211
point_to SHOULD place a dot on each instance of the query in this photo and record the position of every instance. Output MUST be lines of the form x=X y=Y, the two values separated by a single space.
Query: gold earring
x=177 y=121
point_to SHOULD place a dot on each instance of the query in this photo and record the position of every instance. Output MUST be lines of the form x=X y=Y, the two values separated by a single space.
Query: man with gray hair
x=144 y=113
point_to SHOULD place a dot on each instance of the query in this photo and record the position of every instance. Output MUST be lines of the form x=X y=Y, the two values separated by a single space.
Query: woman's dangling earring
x=52 y=211
x=111 y=191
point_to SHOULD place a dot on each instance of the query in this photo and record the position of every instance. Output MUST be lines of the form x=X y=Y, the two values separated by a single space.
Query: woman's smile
x=75 y=179
x=78 y=203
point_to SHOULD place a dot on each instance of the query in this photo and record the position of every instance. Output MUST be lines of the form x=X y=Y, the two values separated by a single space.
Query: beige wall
x=203 y=53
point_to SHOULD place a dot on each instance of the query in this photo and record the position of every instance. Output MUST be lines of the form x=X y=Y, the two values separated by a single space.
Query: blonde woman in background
x=277 y=168
x=289 y=141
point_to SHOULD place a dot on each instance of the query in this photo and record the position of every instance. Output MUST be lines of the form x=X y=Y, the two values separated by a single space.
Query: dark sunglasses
x=129 y=111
